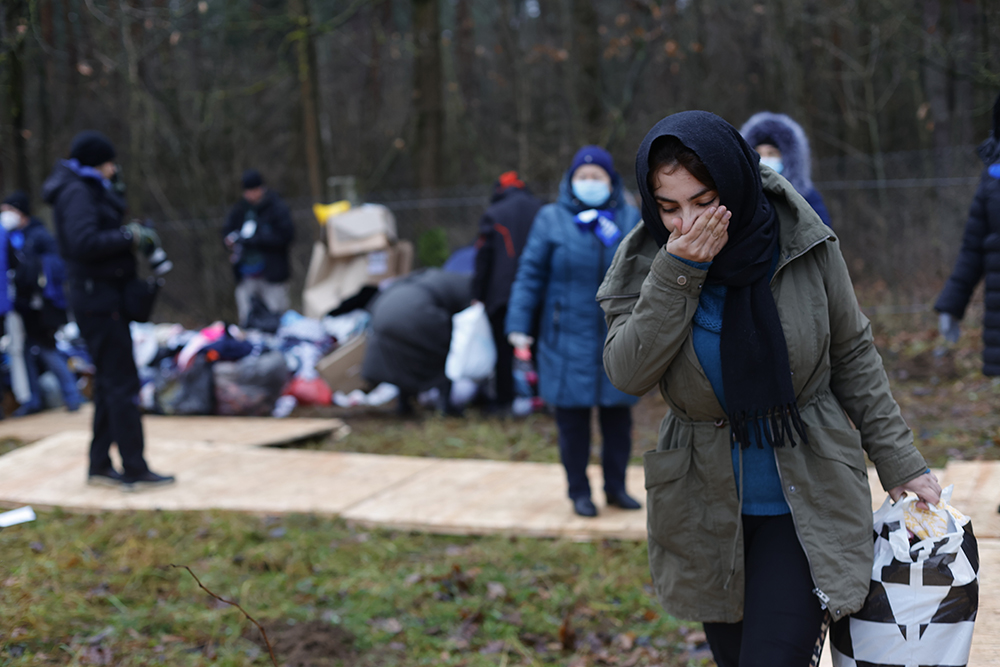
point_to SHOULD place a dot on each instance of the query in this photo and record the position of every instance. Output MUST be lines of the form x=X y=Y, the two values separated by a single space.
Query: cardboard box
x=392 y=262
x=342 y=368
x=360 y=230
x=329 y=281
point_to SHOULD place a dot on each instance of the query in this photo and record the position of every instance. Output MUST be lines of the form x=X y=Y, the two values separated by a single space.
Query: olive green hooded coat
x=695 y=541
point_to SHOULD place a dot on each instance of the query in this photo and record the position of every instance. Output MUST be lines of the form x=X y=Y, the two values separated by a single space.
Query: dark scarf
x=756 y=375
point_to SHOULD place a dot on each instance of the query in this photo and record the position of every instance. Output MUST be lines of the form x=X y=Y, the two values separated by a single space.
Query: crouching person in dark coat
x=411 y=333
x=503 y=232
x=98 y=249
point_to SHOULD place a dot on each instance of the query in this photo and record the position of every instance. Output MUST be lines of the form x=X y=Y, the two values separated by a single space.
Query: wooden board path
x=245 y=431
x=436 y=495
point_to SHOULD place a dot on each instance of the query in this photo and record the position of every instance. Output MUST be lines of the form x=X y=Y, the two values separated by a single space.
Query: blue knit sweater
x=762 y=494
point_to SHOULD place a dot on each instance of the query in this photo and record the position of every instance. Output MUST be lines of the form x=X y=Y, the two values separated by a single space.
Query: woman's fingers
x=926 y=488
x=712 y=223
x=703 y=238
x=709 y=233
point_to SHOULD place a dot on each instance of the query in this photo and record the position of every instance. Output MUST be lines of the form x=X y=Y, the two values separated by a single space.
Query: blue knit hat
x=594 y=155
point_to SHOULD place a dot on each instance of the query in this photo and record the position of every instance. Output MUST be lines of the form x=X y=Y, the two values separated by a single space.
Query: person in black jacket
x=39 y=274
x=503 y=231
x=258 y=233
x=99 y=251
x=979 y=257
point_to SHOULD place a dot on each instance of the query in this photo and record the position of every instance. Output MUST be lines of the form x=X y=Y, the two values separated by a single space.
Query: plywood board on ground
x=246 y=431
x=977 y=493
x=986 y=639
x=52 y=473
x=483 y=497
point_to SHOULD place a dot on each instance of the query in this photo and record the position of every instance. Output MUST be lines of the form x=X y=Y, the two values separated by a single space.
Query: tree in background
x=420 y=93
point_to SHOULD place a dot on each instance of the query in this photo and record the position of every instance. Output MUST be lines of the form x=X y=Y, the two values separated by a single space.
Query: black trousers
x=505 y=359
x=781 y=616
x=574 y=447
x=116 y=393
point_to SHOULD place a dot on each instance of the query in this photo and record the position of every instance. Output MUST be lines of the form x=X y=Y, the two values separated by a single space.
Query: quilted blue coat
x=554 y=300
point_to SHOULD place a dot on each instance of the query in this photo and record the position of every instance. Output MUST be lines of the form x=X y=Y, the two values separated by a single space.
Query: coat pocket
x=670 y=518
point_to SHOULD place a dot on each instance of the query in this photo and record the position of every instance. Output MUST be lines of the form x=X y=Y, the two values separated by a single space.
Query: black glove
x=144 y=239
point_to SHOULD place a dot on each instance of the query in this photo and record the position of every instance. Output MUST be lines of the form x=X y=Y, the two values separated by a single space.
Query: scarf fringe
x=776 y=426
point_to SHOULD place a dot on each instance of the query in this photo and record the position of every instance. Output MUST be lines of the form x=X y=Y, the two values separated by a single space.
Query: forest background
x=425 y=102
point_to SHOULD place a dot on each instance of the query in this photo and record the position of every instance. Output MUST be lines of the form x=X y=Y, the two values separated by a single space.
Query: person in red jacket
x=503 y=231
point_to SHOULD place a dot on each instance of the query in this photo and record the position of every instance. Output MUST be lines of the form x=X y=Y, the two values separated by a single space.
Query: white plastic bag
x=472 y=354
x=922 y=603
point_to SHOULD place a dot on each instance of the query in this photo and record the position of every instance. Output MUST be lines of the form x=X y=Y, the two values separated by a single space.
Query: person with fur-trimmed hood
x=783 y=146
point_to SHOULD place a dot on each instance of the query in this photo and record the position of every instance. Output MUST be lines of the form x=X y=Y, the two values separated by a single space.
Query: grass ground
x=99 y=589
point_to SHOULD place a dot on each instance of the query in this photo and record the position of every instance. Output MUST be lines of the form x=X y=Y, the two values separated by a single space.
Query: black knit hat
x=91 y=148
x=19 y=200
x=252 y=179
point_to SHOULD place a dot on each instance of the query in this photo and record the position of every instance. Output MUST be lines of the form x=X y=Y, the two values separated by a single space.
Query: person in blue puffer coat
x=569 y=249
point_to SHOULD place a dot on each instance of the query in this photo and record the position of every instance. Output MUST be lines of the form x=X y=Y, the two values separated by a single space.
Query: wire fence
x=899 y=216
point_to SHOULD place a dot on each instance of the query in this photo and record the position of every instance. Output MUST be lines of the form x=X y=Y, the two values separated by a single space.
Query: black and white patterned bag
x=922 y=603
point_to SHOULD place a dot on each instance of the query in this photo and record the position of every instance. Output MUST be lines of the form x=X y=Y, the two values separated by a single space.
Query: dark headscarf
x=756 y=375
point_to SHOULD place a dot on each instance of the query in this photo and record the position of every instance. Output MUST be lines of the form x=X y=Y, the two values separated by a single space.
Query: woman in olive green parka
x=734 y=299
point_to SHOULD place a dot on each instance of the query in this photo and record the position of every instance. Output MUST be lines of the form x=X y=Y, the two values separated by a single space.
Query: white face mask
x=10 y=220
x=773 y=162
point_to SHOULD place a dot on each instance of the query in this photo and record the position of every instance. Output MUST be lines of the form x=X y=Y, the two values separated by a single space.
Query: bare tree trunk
x=15 y=29
x=373 y=74
x=131 y=32
x=586 y=54
x=465 y=53
x=964 y=51
x=936 y=76
x=510 y=29
x=46 y=85
x=305 y=52
x=428 y=94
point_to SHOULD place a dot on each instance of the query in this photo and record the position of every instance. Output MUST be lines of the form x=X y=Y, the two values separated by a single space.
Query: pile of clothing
x=225 y=370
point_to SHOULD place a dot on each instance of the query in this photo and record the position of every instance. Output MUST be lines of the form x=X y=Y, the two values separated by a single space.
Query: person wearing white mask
x=39 y=299
x=553 y=299
x=10 y=322
x=783 y=146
